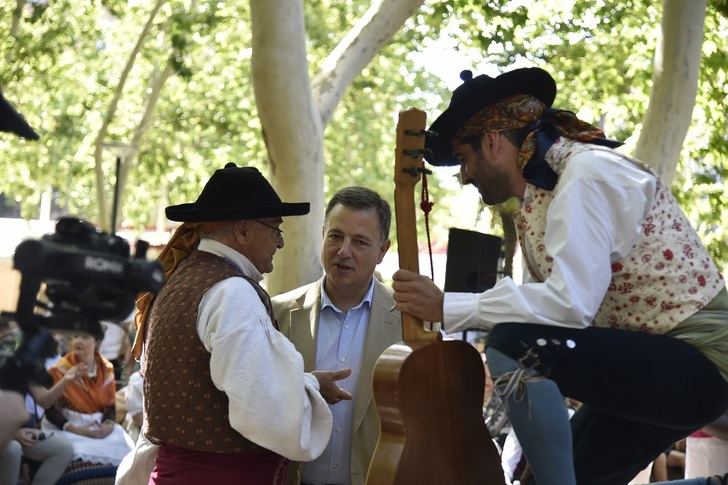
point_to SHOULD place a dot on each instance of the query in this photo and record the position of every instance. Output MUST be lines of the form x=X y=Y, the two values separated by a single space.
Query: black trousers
x=640 y=392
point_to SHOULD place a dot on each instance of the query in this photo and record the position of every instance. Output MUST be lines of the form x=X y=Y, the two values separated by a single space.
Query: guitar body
x=429 y=392
x=432 y=424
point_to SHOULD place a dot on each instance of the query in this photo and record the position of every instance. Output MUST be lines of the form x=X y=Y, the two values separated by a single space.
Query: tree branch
x=358 y=47
x=103 y=129
x=155 y=91
x=17 y=15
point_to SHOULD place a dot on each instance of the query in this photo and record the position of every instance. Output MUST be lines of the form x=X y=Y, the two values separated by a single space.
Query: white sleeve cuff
x=311 y=380
x=458 y=311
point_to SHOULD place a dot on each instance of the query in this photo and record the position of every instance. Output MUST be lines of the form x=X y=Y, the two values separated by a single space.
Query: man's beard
x=493 y=189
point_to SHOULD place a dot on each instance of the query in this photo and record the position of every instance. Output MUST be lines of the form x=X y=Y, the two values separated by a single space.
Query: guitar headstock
x=410 y=148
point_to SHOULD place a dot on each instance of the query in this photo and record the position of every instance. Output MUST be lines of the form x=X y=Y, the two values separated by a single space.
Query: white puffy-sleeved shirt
x=595 y=189
x=272 y=401
x=134 y=395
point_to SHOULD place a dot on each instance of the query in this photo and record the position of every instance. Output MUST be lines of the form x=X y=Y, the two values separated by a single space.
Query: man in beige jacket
x=345 y=320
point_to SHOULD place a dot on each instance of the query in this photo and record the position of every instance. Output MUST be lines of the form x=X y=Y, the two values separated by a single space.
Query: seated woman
x=84 y=413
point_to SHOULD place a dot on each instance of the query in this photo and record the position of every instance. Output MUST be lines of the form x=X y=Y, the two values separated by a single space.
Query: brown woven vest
x=182 y=406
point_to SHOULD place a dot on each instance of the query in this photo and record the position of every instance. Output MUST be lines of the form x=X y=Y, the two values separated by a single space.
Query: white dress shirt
x=113 y=341
x=596 y=189
x=339 y=345
x=273 y=403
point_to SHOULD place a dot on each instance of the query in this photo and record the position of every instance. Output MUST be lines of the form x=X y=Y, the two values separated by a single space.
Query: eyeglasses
x=279 y=232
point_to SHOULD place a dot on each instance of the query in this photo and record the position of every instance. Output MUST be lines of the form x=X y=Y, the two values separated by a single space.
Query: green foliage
x=63 y=63
x=601 y=54
x=700 y=184
x=43 y=78
x=63 y=71
x=360 y=138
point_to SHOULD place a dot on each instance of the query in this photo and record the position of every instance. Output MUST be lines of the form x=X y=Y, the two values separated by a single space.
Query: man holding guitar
x=626 y=312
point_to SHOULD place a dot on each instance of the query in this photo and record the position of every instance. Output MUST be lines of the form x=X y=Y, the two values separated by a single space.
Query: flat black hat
x=236 y=193
x=474 y=94
x=13 y=122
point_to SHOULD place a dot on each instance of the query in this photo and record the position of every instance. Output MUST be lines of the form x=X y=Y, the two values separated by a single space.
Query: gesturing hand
x=26 y=437
x=327 y=385
x=107 y=427
x=75 y=373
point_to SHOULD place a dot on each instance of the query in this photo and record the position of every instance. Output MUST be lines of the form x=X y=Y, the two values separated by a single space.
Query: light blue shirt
x=339 y=344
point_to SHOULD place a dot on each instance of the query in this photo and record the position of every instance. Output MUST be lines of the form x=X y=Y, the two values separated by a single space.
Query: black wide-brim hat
x=236 y=193
x=476 y=93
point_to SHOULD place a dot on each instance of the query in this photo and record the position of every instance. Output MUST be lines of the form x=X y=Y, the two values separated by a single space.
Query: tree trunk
x=293 y=115
x=101 y=197
x=292 y=132
x=674 y=86
x=358 y=47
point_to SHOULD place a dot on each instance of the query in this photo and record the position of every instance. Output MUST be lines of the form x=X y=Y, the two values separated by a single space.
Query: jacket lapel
x=383 y=330
x=304 y=325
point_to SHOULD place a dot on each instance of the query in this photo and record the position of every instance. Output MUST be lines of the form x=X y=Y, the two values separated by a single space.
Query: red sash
x=181 y=466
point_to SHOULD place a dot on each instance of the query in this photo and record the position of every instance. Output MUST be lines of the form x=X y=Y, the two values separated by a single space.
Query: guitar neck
x=408 y=162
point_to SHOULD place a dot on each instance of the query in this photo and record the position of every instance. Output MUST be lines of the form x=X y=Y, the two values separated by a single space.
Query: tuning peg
x=430 y=133
x=414 y=153
x=415 y=171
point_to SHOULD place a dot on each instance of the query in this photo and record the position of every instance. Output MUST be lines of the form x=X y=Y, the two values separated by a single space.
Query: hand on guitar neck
x=327 y=385
x=417 y=295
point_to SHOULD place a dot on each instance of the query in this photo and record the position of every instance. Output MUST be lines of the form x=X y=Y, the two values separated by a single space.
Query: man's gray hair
x=219 y=233
x=361 y=198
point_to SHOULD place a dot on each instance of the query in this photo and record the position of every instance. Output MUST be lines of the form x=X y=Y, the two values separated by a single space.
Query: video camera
x=88 y=275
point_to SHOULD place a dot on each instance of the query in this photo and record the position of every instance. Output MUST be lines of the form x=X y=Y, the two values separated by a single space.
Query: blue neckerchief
x=537 y=171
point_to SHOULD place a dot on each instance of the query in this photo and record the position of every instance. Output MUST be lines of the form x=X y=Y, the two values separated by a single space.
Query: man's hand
x=417 y=295
x=27 y=437
x=95 y=430
x=327 y=385
x=107 y=427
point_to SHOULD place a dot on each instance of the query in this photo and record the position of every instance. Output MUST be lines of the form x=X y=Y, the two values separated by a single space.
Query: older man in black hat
x=225 y=395
x=626 y=312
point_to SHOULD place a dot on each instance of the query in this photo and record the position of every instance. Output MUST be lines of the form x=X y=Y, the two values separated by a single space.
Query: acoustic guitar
x=429 y=392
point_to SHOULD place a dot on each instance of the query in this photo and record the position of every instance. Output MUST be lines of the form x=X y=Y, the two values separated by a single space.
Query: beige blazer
x=297 y=314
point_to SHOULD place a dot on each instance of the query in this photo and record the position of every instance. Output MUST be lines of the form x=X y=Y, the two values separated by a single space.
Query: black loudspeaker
x=472 y=261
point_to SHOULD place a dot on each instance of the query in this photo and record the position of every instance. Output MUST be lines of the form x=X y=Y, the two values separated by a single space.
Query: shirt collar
x=326 y=301
x=232 y=256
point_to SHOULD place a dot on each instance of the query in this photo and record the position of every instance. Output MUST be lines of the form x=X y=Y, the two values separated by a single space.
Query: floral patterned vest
x=666 y=277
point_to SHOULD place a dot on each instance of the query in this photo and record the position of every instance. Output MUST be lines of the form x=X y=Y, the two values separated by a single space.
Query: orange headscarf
x=184 y=240
x=521 y=110
x=87 y=395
